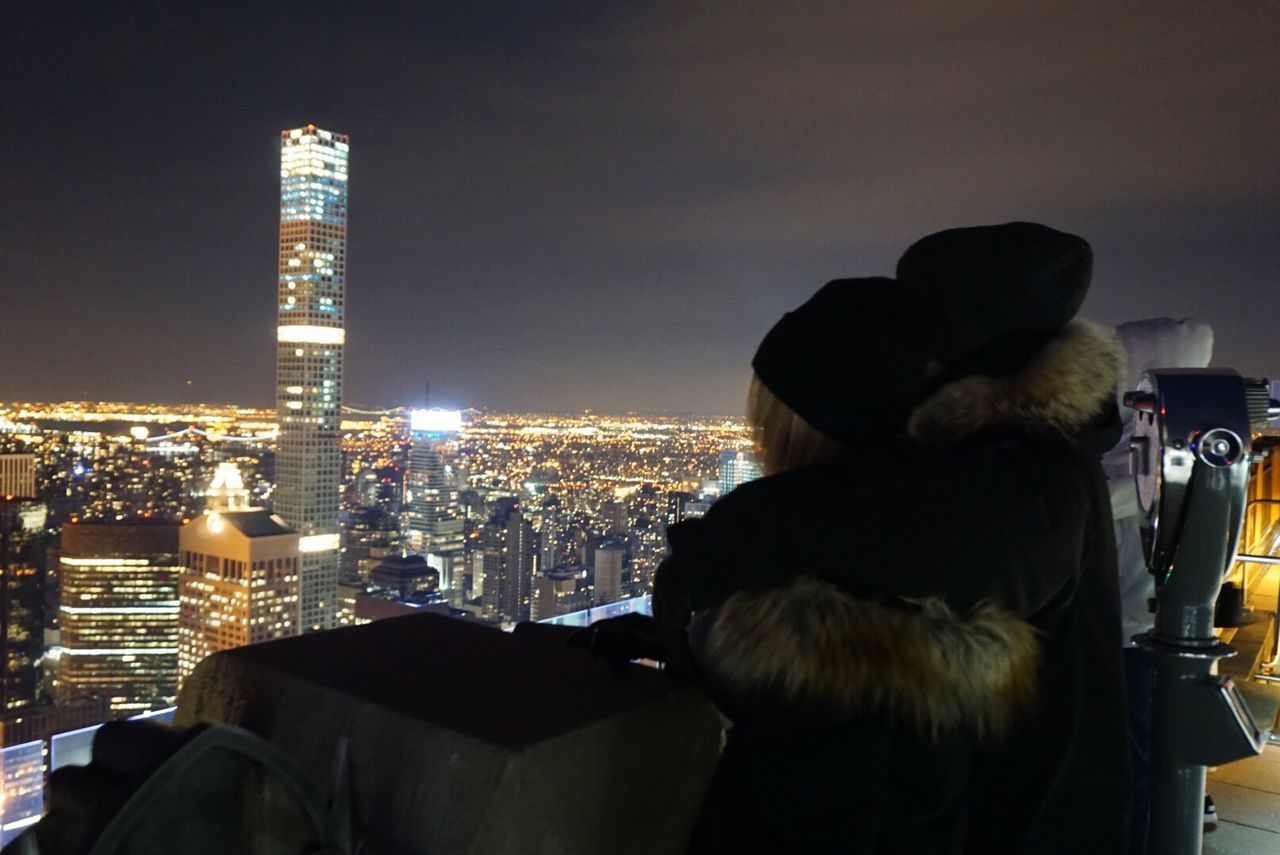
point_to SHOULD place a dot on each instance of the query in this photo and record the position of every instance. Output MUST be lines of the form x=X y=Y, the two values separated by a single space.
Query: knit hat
x=845 y=361
x=996 y=293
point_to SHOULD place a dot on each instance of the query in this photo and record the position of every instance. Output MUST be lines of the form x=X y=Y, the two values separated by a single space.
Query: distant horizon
x=5 y=405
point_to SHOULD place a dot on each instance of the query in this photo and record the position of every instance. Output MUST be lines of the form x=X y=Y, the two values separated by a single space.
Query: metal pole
x=1176 y=825
x=1185 y=648
x=1245 y=558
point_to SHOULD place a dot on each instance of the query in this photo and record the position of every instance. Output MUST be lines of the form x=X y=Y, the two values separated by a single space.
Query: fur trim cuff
x=814 y=643
x=1062 y=388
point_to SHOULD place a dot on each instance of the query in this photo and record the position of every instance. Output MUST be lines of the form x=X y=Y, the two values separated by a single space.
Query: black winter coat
x=919 y=646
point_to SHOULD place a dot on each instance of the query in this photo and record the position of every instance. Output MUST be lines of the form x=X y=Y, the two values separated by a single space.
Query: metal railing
x=1268 y=669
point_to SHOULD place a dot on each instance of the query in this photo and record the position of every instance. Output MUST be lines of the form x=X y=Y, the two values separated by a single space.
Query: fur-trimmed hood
x=812 y=643
x=1062 y=388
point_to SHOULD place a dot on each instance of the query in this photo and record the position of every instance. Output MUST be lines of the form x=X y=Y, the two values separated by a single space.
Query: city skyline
x=563 y=208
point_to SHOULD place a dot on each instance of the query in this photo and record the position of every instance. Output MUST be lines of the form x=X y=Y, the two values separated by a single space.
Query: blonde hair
x=784 y=439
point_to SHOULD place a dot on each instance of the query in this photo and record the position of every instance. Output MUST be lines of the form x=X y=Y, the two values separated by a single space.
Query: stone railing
x=462 y=738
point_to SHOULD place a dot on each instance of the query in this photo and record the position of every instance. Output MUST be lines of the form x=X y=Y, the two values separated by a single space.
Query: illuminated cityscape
x=581 y=480
x=172 y=545
x=224 y=493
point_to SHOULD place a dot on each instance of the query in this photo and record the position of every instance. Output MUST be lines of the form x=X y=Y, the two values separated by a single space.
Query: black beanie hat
x=845 y=361
x=1005 y=287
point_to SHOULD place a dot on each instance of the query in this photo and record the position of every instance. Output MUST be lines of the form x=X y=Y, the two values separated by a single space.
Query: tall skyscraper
x=239 y=580
x=429 y=484
x=431 y=487
x=119 y=614
x=310 y=337
x=509 y=549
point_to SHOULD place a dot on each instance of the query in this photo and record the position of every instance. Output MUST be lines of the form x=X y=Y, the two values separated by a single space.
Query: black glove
x=621 y=639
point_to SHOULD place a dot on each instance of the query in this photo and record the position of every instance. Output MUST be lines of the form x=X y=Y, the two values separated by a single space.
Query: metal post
x=1177 y=787
x=1185 y=648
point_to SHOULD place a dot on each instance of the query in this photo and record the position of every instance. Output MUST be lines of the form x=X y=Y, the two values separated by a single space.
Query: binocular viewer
x=1191 y=452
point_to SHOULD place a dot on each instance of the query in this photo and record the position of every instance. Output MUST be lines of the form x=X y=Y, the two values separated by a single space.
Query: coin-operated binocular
x=1191 y=451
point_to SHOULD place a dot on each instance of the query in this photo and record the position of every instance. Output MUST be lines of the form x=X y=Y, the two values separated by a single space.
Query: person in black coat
x=911 y=620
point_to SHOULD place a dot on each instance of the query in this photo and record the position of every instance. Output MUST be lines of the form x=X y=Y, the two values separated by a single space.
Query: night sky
x=605 y=205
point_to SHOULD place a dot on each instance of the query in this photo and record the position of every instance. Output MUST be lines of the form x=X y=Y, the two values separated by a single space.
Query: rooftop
x=254 y=523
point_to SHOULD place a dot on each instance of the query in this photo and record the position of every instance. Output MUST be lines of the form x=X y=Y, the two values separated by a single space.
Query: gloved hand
x=621 y=639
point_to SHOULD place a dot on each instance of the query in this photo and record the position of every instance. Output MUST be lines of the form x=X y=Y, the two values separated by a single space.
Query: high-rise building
x=737 y=468
x=509 y=549
x=118 y=616
x=239 y=580
x=22 y=572
x=310 y=336
x=558 y=592
x=608 y=573
x=22 y=521
x=430 y=484
x=17 y=476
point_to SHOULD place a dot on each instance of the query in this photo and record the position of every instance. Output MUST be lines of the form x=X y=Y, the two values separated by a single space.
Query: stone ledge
x=464 y=739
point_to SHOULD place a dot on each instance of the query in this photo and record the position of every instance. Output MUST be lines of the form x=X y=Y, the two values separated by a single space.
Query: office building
x=17 y=476
x=310 y=338
x=430 y=484
x=118 y=614
x=404 y=576
x=509 y=548
x=559 y=592
x=239 y=580
x=22 y=542
x=608 y=573
x=737 y=468
x=369 y=534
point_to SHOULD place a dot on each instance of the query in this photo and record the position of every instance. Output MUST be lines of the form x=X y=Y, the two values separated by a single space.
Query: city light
x=121 y=651
x=307 y=334
x=120 y=610
x=319 y=542
x=435 y=421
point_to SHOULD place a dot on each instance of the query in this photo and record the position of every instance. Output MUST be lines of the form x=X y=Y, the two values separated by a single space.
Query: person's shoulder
x=769 y=497
x=759 y=514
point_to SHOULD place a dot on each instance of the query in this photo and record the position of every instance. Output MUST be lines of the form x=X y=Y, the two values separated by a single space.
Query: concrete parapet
x=465 y=739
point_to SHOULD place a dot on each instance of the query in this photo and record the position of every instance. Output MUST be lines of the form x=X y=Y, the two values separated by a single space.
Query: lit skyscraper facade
x=509 y=547
x=310 y=336
x=430 y=484
x=119 y=614
x=239 y=579
x=737 y=468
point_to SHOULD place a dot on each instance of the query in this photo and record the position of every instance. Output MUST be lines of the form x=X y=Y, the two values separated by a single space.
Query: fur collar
x=1062 y=387
x=812 y=642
